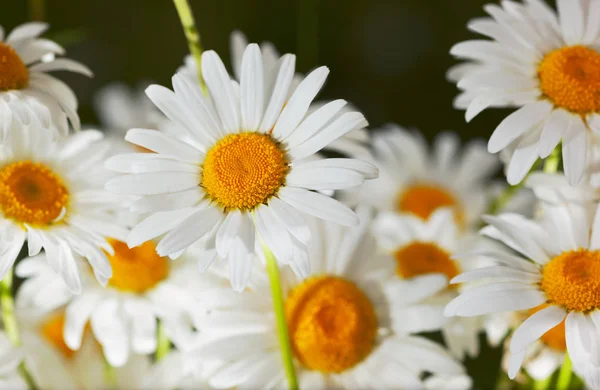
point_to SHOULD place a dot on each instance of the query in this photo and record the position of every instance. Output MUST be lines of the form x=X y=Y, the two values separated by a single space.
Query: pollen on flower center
x=570 y=78
x=572 y=280
x=332 y=324
x=52 y=331
x=31 y=193
x=137 y=269
x=421 y=258
x=423 y=199
x=554 y=338
x=13 y=72
x=244 y=170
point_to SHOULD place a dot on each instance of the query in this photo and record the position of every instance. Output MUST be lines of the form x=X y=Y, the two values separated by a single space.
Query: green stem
x=565 y=374
x=503 y=199
x=191 y=34
x=164 y=344
x=543 y=384
x=282 y=328
x=110 y=374
x=308 y=34
x=9 y=319
x=553 y=160
x=37 y=10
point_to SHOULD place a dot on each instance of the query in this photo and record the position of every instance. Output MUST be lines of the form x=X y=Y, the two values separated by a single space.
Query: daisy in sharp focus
x=545 y=64
x=418 y=248
x=52 y=197
x=248 y=169
x=123 y=315
x=414 y=180
x=557 y=267
x=348 y=327
x=26 y=89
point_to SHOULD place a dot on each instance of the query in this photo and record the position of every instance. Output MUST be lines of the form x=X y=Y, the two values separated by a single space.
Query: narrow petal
x=318 y=205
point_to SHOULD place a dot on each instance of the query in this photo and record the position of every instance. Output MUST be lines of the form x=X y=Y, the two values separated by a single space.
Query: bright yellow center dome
x=13 y=72
x=423 y=199
x=422 y=258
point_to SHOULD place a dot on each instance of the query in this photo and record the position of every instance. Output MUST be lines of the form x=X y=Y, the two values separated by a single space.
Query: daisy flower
x=144 y=287
x=414 y=180
x=347 y=328
x=545 y=64
x=51 y=197
x=26 y=89
x=555 y=267
x=247 y=168
x=418 y=248
x=10 y=359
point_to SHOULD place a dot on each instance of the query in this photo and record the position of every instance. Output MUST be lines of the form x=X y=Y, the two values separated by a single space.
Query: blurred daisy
x=26 y=89
x=428 y=247
x=413 y=180
x=548 y=65
x=144 y=287
x=247 y=167
x=347 y=328
x=557 y=267
x=51 y=196
x=10 y=359
x=353 y=144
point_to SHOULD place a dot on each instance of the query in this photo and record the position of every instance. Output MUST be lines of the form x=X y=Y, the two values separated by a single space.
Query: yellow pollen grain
x=422 y=258
x=52 y=331
x=31 y=193
x=137 y=269
x=242 y=171
x=572 y=280
x=570 y=78
x=13 y=72
x=555 y=337
x=332 y=324
x=423 y=199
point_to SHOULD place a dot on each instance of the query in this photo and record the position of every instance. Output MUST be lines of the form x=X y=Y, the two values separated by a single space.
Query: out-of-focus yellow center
x=31 y=193
x=421 y=258
x=570 y=78
x=332 y=324
x=137 y=269
x=242 y=171
x=572 y=280
x=554 y=338
x=52 y=331
x=13 y=72
x=423 y=199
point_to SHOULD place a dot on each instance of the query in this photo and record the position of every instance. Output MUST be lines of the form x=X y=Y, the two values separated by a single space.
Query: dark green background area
x=387 y=57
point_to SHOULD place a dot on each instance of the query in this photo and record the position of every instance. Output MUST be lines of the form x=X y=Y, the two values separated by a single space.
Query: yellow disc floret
x=422 y=258
x=136 y=269
x=423 y=199
x=570 y=78
x=332 y=324
x=13 y=72
x=52 y=331
x=572 y=280
x=555 y=337
x=31 y=193
x=242 y=171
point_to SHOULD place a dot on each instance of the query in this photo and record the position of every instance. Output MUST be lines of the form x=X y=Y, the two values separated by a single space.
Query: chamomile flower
x=348 y=329
x=247 y=169
x=144 y=287
x=418 y=248
x=556 y=268
x=545 y=64
x=10 y=359
x=414 y=180
x=26 y=89
x=52 y=197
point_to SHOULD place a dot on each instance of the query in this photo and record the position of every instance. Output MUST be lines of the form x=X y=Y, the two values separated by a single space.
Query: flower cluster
x=235 y=232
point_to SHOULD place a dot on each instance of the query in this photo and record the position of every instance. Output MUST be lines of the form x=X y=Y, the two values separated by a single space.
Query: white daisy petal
x=222 y=91
x=252 y=88
x=574 y=151
x=572 y=20
x=314 y=122
x=153 y=183
x=535 y=326
x=164 y=145
x=555 y=125
x=318 y=205
x=280 y=92
x=155 y=225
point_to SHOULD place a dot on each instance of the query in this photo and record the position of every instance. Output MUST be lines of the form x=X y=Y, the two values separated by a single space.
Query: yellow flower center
x=332 y=324
x=137 y=269
x=52 y=331
x=13 y=72
x=31 y=193
x=244 y=170
x=555 y=337
x=570 y=78
x=422 y=258
x=423 y=199
x=572 y=280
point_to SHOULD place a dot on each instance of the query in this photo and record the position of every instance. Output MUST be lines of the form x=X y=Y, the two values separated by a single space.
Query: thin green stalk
x=543 y=384
x=553 y=160
x=164 y=344
x=191 y=34
x=565 y=374
x=308 y=34
x=282 y=328
x=37 y=10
